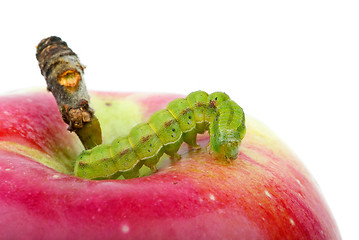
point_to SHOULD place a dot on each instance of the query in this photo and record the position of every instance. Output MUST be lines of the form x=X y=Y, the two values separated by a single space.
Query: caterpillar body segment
x=103 y=161
x=215 y=99
x=146 y=143
x=164 y=132
x=166 y=127
x=183 y=113
x=198 y=102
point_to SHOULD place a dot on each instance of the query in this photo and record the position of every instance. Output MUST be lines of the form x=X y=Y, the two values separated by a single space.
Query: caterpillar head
x=229 y=150
x=217 y=98
x=229 y=147
x=224 y=145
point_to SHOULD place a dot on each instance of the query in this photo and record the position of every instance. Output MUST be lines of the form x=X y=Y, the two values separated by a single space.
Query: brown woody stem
x=64 y=77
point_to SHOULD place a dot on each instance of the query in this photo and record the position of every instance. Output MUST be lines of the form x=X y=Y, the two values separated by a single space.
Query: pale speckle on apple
x=268 y=194
x=297 y=180
x=55 y=176
x=212 y=197
x=6 y=113
x=291 y=221
x=125 y=229
x=7 y=169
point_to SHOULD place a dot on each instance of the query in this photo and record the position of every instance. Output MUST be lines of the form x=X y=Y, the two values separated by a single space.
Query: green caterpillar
x=164 y=132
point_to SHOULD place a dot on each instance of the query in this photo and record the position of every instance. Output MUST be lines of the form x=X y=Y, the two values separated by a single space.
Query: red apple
x=265 y=194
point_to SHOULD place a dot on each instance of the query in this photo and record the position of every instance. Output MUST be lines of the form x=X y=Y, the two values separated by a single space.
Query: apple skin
x=265 y=194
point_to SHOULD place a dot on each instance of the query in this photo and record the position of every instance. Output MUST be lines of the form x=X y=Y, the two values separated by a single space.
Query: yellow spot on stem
x=70 y=80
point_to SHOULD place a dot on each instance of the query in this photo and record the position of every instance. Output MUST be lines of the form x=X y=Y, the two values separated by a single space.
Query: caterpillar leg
x=133 y=173
x=191 y=139
x=175 y=158
x=153 y=168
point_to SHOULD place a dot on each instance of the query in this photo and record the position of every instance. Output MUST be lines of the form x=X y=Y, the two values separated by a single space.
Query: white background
x=292 y=64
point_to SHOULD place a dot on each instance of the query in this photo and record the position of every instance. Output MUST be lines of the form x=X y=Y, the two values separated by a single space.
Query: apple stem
x=63 y=73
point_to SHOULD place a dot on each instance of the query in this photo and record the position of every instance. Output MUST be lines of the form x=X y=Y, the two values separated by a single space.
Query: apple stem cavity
x=63 y=73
